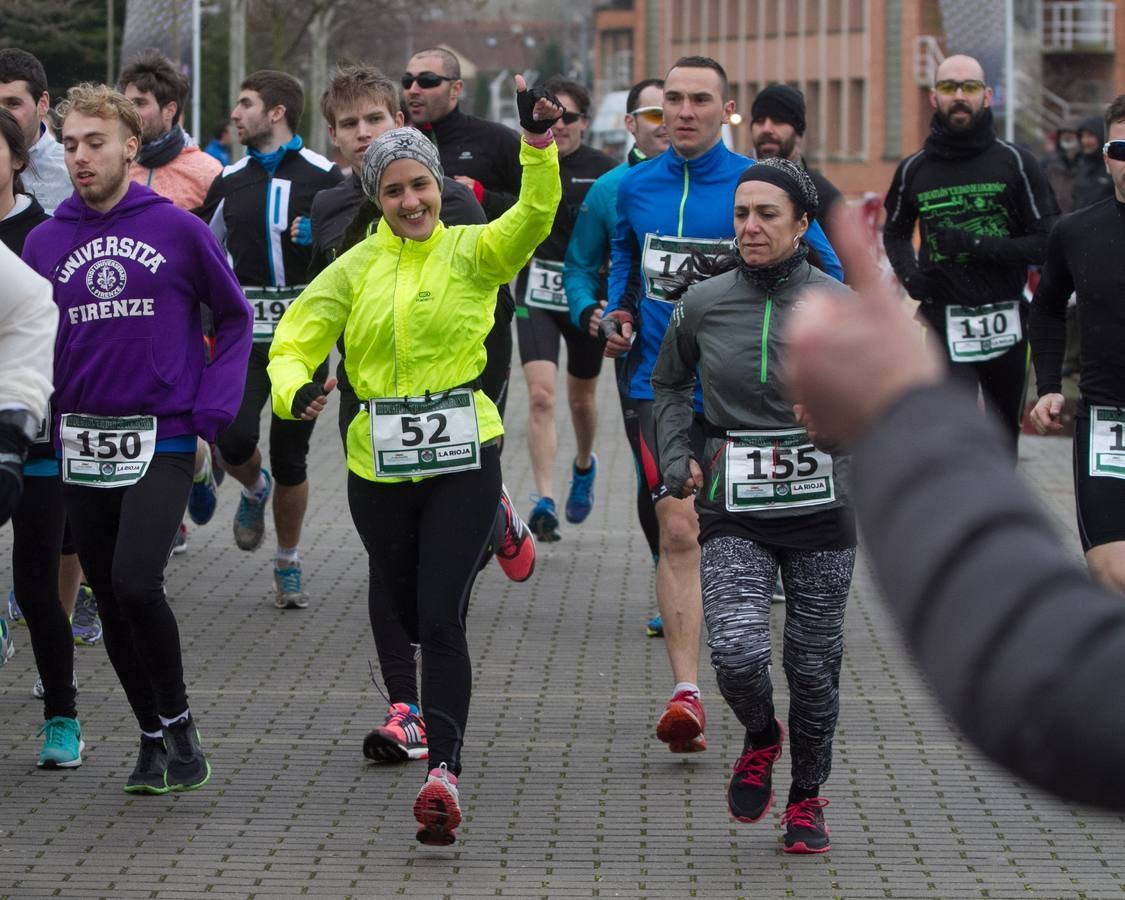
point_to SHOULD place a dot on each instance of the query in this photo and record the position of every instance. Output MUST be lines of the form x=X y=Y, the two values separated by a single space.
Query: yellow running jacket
x=414 y=314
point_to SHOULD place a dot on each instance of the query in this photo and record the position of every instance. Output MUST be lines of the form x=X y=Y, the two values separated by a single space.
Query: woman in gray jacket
x=767 y=497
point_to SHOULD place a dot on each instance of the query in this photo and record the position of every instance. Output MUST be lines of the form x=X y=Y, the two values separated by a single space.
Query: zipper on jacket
x=683 y=203
x=765 y=340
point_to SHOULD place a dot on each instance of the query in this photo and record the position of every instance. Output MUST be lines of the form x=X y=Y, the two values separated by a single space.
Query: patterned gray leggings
x=738 y=577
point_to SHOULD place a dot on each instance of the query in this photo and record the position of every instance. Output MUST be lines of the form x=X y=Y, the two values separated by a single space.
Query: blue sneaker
x=15 y=614
x=62 y=744
x=7 y=645
x=655 y=627
x=580 y=500
x=250 y=518
x=287 y=579
x=544 y=521
x=203 y=497
x=86 y=624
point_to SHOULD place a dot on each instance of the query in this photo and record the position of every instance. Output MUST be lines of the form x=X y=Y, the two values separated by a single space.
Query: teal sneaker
x=250 y=518
x=62 y=744
x=580 y=500
x=7 y=645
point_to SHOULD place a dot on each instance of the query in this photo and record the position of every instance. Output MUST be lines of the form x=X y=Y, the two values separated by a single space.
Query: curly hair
x=102 y=102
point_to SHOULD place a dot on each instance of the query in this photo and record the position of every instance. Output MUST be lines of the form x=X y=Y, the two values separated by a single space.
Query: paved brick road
x=567 y=793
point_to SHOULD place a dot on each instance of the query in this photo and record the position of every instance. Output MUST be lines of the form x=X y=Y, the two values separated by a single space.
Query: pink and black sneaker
x=750 y=792
x=437 y=808
x=805 y=830
x=401 y=737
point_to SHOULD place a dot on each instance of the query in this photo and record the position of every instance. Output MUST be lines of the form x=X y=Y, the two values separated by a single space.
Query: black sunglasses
x=1114 y=150
x=571 y=117
x=425 y=79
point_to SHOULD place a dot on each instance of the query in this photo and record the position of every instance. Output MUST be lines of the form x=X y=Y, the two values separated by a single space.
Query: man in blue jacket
x=679 y=205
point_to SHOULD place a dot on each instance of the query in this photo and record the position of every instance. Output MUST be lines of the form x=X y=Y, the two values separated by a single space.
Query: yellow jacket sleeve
x=306 y=333
x=508 y=242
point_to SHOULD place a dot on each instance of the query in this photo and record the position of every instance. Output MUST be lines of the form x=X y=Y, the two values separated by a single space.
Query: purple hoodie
x=128 y=284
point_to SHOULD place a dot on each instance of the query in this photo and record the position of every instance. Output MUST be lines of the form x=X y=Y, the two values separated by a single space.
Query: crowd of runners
x=182 y=295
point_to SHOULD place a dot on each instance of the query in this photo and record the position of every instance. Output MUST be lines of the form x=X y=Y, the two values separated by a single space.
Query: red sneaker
x=437 y=808
x=681 y=725
x=514 y=545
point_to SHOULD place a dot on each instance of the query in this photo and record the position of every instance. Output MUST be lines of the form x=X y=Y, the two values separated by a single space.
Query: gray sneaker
x=37 y=689
x=287 y=578
x=250 y=518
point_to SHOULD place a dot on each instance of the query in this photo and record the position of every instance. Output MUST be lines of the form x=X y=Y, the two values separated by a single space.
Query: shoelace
x=804 y=813
x=181 y=739
x=290 y=580
x=84 y=615
x=55 y=732
x=248 y=511
x=754 y=765
x=581 y=487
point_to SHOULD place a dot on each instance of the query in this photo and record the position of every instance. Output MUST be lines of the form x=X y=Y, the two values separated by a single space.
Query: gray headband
x=398 y=143
x=788 y=176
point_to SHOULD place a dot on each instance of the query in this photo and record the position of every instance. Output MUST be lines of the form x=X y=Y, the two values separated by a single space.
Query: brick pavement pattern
x=565 y=789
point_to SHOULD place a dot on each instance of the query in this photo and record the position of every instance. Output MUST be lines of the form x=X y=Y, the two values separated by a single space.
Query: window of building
x=857 y=90
x=814 y=140
x=834 y=139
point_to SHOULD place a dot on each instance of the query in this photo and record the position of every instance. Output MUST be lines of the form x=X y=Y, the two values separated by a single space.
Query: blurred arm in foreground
x=1021 y=648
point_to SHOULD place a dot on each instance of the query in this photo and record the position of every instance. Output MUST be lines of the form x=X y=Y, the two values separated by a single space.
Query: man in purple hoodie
x=132 y=392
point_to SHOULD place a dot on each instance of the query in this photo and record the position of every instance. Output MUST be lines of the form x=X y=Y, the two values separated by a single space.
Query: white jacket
x=28 y=320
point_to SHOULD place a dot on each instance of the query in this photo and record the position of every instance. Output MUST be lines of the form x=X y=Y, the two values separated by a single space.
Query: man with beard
x=272 y=186
x=168 y=162
x=777 y=128
x=984 y=208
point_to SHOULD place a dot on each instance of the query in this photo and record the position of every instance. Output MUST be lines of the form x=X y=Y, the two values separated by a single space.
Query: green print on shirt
x=975 y=208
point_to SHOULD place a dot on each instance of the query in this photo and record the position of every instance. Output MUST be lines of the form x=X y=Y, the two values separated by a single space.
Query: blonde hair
x=102 y=102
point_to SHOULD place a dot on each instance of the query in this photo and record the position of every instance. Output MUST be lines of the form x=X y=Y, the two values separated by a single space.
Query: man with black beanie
x=984 y=207
x=777 y=128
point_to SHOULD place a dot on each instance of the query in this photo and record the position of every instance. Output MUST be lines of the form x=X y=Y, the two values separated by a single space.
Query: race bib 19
x=976 y=333
x=545 y=286
x=269 y=305
x=418 y=436
x=776 y=470
x=106 y=451
x=1107 y=441
x=665 y=260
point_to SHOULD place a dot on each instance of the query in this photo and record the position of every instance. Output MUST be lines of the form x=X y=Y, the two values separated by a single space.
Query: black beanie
x=781 y=103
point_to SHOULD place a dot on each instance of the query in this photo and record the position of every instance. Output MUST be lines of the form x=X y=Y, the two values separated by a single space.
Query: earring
x=796 y=241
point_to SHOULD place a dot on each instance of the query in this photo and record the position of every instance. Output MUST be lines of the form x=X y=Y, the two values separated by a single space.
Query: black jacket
x=998 y=195
x=251 y=213
x=485 y=151
x=1083 y=257
x=14 y=230
x=1023 y=650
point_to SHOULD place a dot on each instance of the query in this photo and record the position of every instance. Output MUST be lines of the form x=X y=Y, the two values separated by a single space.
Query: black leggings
x=37 y=527
x=646 y=508
x=425 y=541
x=289 y=439
x=738 y=577
x=124 y=536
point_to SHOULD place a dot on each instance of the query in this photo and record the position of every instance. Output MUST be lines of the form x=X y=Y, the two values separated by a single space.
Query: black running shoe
x=805 y=831
x=148 y=773
x=750 y=792
x=188 y=769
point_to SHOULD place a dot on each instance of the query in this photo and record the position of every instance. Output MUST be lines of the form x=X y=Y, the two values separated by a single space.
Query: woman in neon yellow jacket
x=414 y=302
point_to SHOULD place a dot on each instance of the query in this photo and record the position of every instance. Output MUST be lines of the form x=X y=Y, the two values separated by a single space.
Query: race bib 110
x=975 y=333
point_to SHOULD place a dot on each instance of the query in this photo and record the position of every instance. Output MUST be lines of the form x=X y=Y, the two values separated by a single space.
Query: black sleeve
x=1018 y=643
x=1037 y=209
x=319 y=257
x=211 y=202
x=1047 y=325
x=459 y=205
x=501 y=196
x=898 y=231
